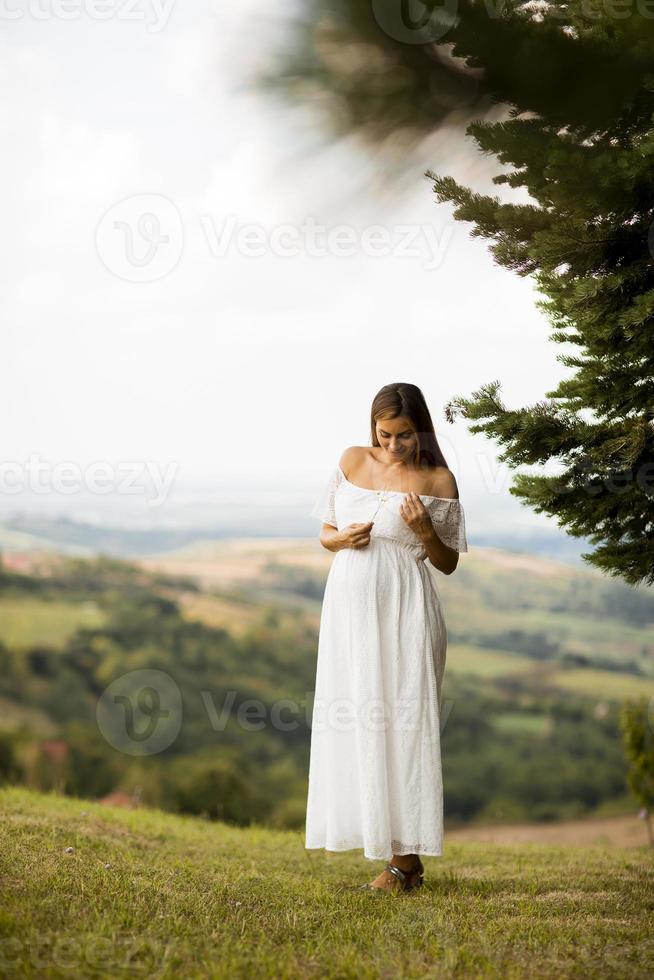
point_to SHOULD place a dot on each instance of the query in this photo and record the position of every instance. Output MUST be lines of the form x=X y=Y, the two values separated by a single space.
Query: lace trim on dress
x=447 y=514
x=380 y=852
x=448 y=518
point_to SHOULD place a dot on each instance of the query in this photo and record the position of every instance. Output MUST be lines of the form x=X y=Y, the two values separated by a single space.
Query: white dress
x=375 y=779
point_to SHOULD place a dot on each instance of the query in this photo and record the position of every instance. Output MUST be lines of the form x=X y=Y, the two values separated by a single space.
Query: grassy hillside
x=151 y=894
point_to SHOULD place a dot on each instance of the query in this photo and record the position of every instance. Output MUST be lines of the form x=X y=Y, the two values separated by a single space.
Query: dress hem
x=375 y=857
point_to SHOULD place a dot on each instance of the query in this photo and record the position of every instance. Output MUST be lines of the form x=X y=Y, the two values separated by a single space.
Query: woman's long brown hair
x=407 y=400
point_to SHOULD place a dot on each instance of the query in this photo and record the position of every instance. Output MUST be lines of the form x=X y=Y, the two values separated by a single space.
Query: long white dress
x=375 y=779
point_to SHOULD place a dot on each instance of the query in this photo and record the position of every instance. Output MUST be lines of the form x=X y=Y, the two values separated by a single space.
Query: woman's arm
x=415 y=514
x=352 y=536
x=330 y=537
x=443 y=558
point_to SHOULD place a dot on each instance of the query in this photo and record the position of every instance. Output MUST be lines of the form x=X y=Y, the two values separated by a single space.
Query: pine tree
x=587 y=241
x=577 y=81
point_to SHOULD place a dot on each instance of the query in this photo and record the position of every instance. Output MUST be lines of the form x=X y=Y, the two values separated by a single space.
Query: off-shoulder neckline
x=401 y=493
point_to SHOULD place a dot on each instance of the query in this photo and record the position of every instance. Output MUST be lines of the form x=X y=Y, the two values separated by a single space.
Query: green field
x=515 y=723
x=26 y=622
x=465 y=659
x=497 y=664
x=604 y=684
x=156 y=895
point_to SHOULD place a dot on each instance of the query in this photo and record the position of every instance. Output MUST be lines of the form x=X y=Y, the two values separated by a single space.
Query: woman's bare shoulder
x=443 y=483
x=350 y=457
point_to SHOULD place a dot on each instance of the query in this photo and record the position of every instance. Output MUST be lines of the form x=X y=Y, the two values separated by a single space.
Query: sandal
x=404 y=877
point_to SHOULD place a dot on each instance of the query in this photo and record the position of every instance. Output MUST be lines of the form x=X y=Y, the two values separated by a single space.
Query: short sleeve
x=449 y=522
x=324 y=506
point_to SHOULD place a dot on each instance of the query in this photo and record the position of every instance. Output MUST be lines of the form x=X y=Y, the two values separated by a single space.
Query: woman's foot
x=411 y=874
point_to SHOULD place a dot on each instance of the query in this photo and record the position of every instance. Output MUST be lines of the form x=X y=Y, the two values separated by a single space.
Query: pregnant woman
x=387 y=511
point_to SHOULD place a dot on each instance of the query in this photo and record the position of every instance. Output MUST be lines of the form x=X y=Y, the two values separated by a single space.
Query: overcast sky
x=177 y=294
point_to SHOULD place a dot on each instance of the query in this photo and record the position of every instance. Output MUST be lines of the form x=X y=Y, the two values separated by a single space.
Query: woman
x=388 y=512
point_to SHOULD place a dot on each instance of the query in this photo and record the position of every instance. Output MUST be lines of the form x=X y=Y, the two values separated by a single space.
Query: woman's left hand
x=415 y=514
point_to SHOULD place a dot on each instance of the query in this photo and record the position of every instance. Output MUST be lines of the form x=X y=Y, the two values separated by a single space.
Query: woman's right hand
x=356 y=535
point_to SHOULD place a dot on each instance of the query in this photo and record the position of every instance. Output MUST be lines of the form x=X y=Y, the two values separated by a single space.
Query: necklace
x=384 y=495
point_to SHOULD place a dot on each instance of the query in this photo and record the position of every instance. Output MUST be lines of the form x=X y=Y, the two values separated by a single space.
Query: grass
x=607 y=684
x=14 y=716
x=588 y=681
x=163 y=896
x=34 y=622
x=479 y=662
x=519 y=723
x=219 y=612
x=577 y=632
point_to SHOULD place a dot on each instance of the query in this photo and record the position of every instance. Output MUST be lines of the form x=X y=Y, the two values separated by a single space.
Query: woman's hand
x=356 y=535
x=415 y=514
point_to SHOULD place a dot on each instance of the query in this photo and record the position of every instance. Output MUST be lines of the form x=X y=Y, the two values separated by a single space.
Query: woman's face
x=398 y=438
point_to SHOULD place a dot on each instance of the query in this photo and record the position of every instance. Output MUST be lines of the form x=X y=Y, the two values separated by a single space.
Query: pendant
x=382 y=500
